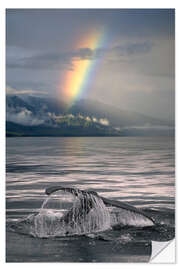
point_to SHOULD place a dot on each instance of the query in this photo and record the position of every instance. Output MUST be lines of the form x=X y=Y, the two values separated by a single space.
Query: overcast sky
x=135 y=68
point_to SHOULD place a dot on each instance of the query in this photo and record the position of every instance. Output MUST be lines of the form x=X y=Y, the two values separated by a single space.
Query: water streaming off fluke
x=70 y=215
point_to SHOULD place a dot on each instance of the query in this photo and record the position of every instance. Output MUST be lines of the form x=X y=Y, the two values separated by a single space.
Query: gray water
x=136 y=170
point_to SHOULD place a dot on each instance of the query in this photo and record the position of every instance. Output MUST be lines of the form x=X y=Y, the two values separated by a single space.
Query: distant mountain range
x=37 y=116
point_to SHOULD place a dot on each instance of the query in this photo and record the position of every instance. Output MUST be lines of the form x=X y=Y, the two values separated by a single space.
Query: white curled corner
x=163 y=252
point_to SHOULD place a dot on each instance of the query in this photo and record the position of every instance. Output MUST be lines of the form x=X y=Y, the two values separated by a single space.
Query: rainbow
x=77 y=80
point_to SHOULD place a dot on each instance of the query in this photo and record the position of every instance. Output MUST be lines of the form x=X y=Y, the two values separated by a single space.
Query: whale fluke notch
x=108 y=202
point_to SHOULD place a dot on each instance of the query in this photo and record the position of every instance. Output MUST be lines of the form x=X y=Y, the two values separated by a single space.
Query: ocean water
x=136 y=170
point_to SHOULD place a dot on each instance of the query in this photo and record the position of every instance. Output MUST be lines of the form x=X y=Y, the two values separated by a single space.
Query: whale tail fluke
x=126 y=214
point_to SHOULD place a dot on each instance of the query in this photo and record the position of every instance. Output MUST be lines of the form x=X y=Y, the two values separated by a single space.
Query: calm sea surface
x=137 y=170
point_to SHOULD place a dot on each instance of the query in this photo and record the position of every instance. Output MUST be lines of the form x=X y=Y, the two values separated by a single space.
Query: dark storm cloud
x=50 y=59
x=134 y=48
x=64 y=59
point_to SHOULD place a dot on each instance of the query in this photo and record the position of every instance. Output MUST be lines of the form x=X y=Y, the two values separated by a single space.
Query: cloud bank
x=23 y=117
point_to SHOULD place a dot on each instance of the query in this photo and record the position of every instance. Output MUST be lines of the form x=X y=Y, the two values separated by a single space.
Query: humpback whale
x=89 y=213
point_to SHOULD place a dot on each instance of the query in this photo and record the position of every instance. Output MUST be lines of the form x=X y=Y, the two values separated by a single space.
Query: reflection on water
x=133 y=169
